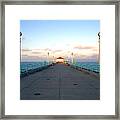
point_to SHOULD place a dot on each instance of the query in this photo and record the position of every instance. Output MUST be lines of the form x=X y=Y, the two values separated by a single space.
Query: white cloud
x=80 y=51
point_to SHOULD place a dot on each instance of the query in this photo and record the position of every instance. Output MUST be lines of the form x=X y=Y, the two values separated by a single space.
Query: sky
x=60 y=38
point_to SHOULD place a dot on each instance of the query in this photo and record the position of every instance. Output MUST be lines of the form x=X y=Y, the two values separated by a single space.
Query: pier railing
x=27 y=68
x=89 y=66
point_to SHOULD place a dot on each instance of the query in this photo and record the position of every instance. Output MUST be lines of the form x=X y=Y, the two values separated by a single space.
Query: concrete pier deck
x=60 y=82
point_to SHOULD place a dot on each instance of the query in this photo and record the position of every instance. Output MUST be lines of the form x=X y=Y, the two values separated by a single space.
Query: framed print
x=59 y=59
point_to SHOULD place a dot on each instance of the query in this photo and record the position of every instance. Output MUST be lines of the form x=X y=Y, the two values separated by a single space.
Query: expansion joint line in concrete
x=59 y=85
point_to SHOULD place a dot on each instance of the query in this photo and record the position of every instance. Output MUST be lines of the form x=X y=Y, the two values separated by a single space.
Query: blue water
x=26 y=66
x=92 y=66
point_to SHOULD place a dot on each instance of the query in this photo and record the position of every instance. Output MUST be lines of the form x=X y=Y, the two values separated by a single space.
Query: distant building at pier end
x=60 y=60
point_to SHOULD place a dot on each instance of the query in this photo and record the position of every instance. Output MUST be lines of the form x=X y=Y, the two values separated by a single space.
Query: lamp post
x=48 y=57
x=72 y=57
x=20 y=44
x=53 y=59
x=20 y=48
x=99 y=47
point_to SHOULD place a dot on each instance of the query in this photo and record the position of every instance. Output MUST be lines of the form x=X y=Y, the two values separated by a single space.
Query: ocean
x=91 y=66
x=26 y=66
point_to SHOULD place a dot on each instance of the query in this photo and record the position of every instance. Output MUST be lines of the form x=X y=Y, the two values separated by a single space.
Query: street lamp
x=53 y=59
x=72 y=57
x=20 y=48
x=48 y=57
x=99 y=47
x=20 y=44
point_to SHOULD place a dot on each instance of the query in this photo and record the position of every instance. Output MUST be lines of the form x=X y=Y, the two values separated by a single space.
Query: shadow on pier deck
x=60 y=82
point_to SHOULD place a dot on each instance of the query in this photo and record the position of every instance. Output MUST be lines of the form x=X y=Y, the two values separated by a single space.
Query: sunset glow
x=60 y=38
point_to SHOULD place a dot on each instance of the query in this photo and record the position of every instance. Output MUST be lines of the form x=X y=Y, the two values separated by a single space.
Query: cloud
x=95 y=49
x=79 y=52
x=36 y=52
x=55 y=51
x=93 y=56
x=30 y=57
x=84 y=47
x=26 y=50
x=47 y=49
x=25 y=55
x=86 y=56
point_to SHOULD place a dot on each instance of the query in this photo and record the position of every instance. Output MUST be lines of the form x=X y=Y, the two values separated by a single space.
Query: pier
x=60 y=82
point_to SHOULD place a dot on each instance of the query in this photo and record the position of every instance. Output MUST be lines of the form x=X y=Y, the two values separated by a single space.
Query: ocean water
x=26 y=66
x=92 y=66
